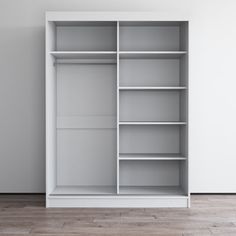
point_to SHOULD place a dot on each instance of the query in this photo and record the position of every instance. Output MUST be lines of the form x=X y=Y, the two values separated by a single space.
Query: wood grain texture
x=27 y=215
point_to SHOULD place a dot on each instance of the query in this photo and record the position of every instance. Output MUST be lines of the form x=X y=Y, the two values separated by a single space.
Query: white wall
x=212 y=87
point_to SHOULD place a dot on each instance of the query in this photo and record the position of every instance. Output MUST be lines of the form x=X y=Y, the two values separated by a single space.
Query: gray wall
x=212 y=40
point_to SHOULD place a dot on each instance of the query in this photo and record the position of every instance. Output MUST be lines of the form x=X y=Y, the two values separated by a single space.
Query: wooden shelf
x=151 y=123
x=152 y=190
x=151 y=54
x=84 y=54
x=151 y=156
x=152 y=88
x=87 y=190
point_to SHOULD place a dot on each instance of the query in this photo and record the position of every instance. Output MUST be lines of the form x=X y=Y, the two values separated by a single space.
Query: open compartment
x=152 y=141
x=86 y=161
x=86 y=36
x=150 y=36
x=86 y=90
x=146 y=105
x=150 y=72
x=151 y=178
x=86 y=129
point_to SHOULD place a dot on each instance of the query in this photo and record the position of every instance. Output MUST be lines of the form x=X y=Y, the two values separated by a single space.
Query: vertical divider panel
x=184 y=77
x=118 y=108
x=50 y=87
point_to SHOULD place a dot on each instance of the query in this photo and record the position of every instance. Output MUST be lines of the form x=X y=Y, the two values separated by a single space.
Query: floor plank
x=26 y=215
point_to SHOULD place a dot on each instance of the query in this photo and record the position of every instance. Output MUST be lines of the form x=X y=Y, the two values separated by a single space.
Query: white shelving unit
x=116 y=110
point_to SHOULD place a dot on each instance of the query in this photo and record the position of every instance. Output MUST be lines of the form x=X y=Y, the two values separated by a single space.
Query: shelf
x=112 y=54
x=151 y=156
x=84 y=190
x=84 y=54
x=152 y=88
x=152 y=190
x=151 y=54
x=151 y=123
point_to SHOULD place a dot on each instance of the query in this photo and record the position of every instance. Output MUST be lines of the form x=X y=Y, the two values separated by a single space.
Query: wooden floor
x=208 y=215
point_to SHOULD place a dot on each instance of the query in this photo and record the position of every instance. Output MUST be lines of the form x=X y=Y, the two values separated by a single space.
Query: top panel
x=64 y=16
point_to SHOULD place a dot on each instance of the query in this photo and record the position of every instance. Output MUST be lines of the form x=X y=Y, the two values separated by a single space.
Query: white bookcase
x=116 y=110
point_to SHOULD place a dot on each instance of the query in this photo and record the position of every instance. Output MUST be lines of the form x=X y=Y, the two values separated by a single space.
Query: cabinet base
x=117 y=201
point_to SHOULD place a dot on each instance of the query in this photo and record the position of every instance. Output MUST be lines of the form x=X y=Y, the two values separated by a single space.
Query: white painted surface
x=84 y=155
x=117 y=201
x=150 y=88
x=212 y=88
x=117 y=108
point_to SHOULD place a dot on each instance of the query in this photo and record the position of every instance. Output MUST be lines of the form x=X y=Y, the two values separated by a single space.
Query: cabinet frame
x=59 y=197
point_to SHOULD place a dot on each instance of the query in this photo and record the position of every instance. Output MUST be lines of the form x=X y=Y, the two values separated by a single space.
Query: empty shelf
x=84 y=190
x=152 y=88
x=151 y=156
x=151 y=54
x=84 y=54
x=152 y=190
x=151 y=123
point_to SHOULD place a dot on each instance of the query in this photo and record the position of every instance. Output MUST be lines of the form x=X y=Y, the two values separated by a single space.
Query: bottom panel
x=117 y=201
x=154 y=190
x=84 y=190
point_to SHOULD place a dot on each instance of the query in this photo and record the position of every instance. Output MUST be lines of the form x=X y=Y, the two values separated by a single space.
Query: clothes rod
x=85 y=61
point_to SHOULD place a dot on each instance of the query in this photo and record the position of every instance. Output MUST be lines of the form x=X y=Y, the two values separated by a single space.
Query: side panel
x=50 y=110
